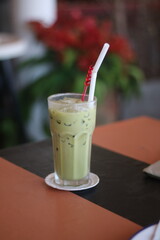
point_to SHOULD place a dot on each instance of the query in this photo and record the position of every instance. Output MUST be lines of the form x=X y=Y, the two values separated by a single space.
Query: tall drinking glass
x=72 y=123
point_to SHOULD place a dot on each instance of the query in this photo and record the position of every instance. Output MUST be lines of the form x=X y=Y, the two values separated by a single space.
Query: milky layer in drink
x=72 y=123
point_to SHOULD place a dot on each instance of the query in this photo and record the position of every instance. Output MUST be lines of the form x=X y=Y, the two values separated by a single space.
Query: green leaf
x=135 y=73
x=79 y=83
x=69 y=57
x=100 y=91
x=111 y=71
x=123 y=83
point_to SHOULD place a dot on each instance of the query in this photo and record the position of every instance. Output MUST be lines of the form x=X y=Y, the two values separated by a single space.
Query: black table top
x=123 y=189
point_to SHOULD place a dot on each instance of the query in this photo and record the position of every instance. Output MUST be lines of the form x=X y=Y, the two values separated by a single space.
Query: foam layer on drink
x=70 y=105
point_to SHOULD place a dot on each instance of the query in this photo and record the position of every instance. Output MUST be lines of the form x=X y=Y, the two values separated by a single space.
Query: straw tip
x=106 y=45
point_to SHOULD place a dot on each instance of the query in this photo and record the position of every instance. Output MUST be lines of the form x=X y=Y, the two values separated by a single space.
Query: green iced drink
x=72 y=123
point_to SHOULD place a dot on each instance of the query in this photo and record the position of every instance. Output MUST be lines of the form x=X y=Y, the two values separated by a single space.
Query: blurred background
x=47 y=46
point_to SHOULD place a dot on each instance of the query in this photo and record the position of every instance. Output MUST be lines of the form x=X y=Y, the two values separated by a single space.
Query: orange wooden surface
x=30 y=210
x=138 y=138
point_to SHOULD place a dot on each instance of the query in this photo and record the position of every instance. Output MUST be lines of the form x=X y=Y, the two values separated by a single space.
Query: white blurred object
x=146 y=233
x=44 y=11
x=157 y=232
x=153 y=170
x=23 y=11
x=11 y=46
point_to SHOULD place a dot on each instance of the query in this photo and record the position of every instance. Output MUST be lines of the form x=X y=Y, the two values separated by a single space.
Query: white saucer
x=145 y=233
x=93 y=181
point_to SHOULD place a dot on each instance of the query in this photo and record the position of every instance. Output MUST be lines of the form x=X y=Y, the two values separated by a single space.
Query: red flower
x=85 y=35
x=121 y=47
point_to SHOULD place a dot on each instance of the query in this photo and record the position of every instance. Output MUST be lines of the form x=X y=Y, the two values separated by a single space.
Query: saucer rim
x=141 y=231
x=93 y=181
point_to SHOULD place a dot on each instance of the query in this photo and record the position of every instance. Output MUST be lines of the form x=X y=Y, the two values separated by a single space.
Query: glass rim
x=75 y=94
